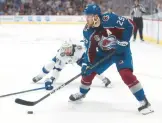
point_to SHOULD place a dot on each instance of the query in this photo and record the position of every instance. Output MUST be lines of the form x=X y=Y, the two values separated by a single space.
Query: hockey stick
x=32 y=103
x=20 y=92
x=29 y=103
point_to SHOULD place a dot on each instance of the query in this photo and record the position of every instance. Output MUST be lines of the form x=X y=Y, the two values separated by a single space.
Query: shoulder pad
x=62 y=54
x=79 y=47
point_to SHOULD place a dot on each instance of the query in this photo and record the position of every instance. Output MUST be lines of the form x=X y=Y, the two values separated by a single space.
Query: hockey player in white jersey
x=68 y=54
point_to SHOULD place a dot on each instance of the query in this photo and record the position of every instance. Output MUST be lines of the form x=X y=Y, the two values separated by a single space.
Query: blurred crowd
x=71 y=7
x=41 y=7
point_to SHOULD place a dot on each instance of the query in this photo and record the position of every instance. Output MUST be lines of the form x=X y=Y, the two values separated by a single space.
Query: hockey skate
x=145 y=107
x=76 y=97
x=107 y=82
x=37 y=78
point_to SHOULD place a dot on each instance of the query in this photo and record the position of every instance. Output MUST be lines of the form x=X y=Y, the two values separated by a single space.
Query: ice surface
x=25 y=48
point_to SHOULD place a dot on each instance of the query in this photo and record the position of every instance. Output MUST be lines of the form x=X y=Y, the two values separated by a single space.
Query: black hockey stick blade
x=30 y=103
x=24 y=102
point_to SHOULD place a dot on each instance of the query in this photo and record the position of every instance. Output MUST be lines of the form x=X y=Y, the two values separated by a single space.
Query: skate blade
x=75 y=102
x=147 y=111
x=110 y=86
x=38 y=82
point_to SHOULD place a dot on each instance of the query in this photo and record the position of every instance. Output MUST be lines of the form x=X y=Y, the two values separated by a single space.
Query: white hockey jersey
x=61 y=59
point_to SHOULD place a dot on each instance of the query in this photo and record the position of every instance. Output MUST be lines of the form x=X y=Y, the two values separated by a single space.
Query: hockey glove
x=49 y=83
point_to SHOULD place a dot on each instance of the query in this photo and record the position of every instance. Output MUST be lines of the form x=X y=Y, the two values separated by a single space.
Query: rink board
x=152 y=28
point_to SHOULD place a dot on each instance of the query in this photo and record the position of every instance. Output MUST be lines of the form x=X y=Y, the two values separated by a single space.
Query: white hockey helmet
x=67 y=48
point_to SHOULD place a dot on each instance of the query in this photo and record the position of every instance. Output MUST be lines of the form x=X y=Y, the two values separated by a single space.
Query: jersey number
x=120 y=21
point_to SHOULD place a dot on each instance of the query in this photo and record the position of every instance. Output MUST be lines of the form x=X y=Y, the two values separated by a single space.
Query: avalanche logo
x=105 y=43
x=105 y=18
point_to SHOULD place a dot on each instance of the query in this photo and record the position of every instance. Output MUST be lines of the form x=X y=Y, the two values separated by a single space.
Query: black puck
x=30 y=112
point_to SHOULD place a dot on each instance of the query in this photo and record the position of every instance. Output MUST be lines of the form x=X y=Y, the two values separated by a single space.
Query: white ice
x=25 y=48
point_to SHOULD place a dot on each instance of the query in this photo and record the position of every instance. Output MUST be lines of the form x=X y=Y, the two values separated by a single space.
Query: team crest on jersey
x=97 y=38
x=105 y=18
x=105 y=43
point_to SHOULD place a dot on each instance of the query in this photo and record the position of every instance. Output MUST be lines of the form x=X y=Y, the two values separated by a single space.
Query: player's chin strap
x=96 y=22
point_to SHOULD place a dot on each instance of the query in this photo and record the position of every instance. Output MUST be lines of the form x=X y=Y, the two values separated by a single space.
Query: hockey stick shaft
x=63 y=85
x=20 y=92
x=29 y=103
